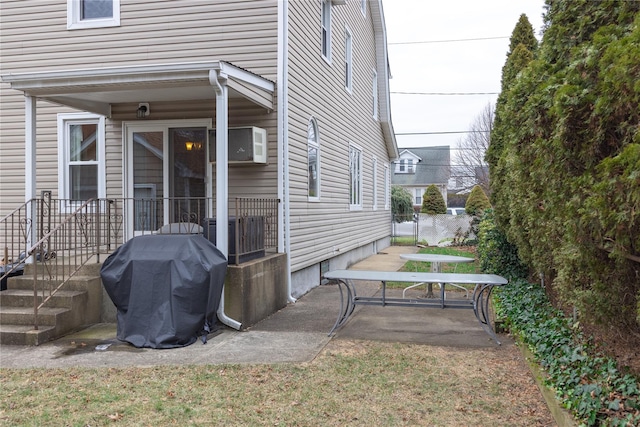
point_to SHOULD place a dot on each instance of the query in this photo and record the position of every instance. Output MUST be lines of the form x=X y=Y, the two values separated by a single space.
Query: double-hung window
x=348 y=60
x=326 y=29
x=81 y=156
x=387 y=187
x=313 y=146
x=355 y=177
x=374 y=94
x=92 y=13
x=375 y=182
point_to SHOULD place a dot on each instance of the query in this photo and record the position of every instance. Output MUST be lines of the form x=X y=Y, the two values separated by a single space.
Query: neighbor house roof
x=433 y=167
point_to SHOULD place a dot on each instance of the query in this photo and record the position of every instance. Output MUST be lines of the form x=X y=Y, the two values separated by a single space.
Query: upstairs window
x=348 y=65
x=92 y=13
x=355 y=177
x=313 y=159
x=326 y=29
x=405 y=166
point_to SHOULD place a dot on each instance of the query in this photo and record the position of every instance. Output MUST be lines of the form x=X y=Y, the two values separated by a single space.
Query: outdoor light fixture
x=143 y=110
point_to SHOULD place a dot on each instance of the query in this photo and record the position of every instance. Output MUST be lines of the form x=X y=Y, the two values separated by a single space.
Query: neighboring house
x=418 y=168
x=140 y=99
x=464 y=178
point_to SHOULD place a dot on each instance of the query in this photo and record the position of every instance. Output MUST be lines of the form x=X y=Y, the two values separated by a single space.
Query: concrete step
x=77 y=283
x=49 y=316
x=24 y=298
x=63 y=267
x=25 y=334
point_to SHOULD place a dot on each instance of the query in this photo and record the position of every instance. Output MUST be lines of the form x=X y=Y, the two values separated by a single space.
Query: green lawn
x=464 y=251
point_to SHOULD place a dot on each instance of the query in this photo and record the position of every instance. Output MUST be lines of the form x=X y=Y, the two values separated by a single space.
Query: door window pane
x=187 y=183
x=148 y=159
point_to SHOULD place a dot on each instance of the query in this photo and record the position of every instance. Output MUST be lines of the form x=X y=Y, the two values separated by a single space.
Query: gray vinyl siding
x=242 y=32
x=327 y=228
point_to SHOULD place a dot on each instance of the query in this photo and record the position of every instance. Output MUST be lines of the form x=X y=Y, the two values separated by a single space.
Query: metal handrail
x=81 y=244
x=71 y=233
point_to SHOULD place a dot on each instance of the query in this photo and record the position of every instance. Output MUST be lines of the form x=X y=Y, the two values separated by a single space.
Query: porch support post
x=30 y=165
x=219 y=82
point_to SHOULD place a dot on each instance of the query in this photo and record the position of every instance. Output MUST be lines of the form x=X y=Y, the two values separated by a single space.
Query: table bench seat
x=483 y=286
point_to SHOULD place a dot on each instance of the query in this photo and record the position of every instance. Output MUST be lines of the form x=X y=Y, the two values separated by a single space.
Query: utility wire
x=442 y=133
x=445 y=93
x=449 y=41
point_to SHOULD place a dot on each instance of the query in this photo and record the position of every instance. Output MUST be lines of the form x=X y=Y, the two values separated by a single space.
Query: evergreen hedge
x=564 y=157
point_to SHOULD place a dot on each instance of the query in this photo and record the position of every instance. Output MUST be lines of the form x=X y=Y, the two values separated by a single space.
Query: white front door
x=166 y=178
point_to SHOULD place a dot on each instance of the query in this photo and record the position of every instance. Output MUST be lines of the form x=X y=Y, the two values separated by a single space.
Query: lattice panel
x=438 y=229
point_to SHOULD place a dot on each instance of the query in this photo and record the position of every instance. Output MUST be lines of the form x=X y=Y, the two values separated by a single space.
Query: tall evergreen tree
x=522 y=34
x=564 y=158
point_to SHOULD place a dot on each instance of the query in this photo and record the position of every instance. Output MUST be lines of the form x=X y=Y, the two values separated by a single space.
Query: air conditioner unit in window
x=247 y=145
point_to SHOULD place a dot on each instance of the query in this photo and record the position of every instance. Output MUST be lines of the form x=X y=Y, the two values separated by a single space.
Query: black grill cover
x=166 y=289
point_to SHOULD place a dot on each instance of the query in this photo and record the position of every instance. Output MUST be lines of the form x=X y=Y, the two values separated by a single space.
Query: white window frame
x=355 y=177
x=363 y=7
x=374 y=94
x=417 y=196
x=387 y=187
x=315 y=144
x=75 y=22
x=374 y=167
x=65 y=120
x=348 y=60
x=326 y=30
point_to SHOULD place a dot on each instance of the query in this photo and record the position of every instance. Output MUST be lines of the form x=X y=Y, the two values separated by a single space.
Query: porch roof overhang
x=95 y=90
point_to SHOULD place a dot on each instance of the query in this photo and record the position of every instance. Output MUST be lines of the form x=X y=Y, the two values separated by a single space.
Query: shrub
x=477 y=202
x=401 y=204
x=433 y=202
x=496 y=254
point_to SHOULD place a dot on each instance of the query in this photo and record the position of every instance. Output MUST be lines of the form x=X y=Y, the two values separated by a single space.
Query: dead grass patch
x=349 y=383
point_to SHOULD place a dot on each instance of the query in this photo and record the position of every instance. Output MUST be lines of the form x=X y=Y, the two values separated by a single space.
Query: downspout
x=222 y=181
x=284 y=239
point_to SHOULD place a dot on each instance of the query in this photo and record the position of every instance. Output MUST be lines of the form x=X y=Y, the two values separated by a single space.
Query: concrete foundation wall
x=254 y=290
x=304 y=280
x=108 y=310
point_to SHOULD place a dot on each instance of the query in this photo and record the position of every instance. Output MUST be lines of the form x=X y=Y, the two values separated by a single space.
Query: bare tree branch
x=469 y=157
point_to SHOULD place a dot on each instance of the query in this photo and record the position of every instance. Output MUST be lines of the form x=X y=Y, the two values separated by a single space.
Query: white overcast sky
x=458 y=67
